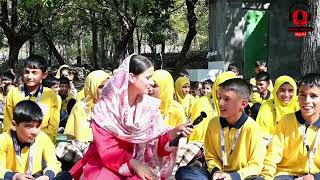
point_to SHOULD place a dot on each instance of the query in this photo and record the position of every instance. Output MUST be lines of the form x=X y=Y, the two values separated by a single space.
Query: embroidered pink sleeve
x=163 y=146
x=114 y=153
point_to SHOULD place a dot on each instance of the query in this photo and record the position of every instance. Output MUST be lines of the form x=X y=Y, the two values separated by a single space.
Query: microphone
x=175 y=141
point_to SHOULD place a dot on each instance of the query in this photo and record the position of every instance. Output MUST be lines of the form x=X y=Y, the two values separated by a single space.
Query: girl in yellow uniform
x=78 y=127
x=284 y=102
x=171 y=110
x=182 y=90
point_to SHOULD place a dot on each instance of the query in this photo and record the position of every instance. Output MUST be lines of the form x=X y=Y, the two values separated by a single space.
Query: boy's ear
x=131 y=78
x=244 y=103
x=45 y=74
x=14 y=125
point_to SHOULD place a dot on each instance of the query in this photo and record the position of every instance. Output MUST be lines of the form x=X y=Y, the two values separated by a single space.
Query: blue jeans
x=289 y=177
x=192 y=173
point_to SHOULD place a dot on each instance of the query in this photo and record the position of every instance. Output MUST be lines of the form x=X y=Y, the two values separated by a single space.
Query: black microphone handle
x=175 y=141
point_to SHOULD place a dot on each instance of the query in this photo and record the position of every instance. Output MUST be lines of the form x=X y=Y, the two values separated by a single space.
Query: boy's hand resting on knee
x=21 y=176
x=221 y=176
x=182 y=128
x=143 y=171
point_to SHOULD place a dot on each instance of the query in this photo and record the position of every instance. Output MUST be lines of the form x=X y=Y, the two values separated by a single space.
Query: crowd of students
x=123 y=125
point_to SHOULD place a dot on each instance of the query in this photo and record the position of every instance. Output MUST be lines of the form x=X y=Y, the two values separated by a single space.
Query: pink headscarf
x=112 y=111
x=141 y=127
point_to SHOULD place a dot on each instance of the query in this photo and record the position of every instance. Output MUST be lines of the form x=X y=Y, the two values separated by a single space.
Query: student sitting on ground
x=232 y=143
x=284 y=102
x=183 y=96
x=78 y=127
x=35 y=70
x=24 y=148
x=294 y=149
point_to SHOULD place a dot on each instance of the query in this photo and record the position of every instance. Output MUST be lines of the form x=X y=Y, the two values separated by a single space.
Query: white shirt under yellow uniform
x=48 y=103
x=43 y=149
x=287 y=153
x=247 y=157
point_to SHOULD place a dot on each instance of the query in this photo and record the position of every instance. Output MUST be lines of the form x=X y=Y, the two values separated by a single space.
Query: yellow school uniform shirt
x=187 y=101
x=274 y=109
x=247 y=157
x=199 y=132
x=78 y=124
x=43 y=150
x=48 y=104
x=287 y=154
x=256 y=98
x=65 y=102
x=80 y=95
x=176 y=115
x=171 y=110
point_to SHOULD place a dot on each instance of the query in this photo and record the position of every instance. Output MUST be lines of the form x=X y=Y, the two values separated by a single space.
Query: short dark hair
x=36 y=62
x=237 y=85
x=27 y=111
x=207 y=81
x=138 y=64
x=194 y=84
x=50 y=81
x=7 y=76
x=183 y=73
x=260 y=63
x=311 y=80
x=233 y=66
x=263 y=76
x=64 y=80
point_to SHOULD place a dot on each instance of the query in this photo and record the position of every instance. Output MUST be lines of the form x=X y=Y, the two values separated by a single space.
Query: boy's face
x=27 y=131
x=262 y=86
x=56 y=88
x=4 y=82
x=285 y=93
x=33 y=77
x=230 y=103
x=207 y=89
x=186 y=89
x=64 y=88
x=309 y=102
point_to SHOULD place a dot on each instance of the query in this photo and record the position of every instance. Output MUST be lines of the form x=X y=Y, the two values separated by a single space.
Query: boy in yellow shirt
x=232 y=149
x=293 y=151
x=35 y=70
x=24 y=149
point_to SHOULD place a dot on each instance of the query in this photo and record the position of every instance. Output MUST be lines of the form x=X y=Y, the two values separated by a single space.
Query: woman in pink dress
x=130 y=140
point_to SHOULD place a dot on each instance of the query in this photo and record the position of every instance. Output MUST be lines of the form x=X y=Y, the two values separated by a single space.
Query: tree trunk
x=52 y=47
x=192 y=32
x=49 y=57
x=139 y=40
x=310 y=55
x=103 y=45
x=131 y=46
x=122 y=43
x=13 y=54
x=31 y=46
x=94 y=30
x=79 y=51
